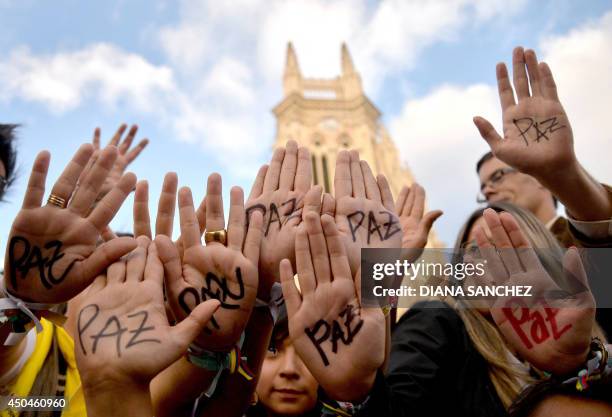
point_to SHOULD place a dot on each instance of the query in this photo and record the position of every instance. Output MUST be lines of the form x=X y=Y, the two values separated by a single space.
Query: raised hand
x=551 y=332
x=364 y=208
x=123 y=335
x=409 y=207
x=226 y=273
x=126 y=154
x=52 y=254
x=342 y=344
x=279 y=193
x=538 y=138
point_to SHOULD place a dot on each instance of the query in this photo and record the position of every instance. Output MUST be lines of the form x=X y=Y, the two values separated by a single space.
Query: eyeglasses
x=496 y=178
x=3 y=184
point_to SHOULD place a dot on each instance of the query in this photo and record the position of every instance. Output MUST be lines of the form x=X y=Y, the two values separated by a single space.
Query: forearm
x=233 y=394
x=178 y=386
x=110 y=399
x=584 y=198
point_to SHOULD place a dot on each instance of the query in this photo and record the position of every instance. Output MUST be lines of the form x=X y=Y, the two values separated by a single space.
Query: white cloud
x=581 y=61
x=436 y=135
x=64 y=80
x=229 y=80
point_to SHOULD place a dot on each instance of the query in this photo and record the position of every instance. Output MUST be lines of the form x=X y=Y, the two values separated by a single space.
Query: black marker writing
x=541 y=129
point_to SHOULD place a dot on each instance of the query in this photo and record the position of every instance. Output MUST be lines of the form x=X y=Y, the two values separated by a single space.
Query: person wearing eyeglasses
x=7 y=157
x=534 y=164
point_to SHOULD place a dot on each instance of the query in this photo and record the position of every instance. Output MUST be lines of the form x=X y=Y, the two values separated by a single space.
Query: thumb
x=106 y=254
x=312 y=201
x=328 y=206
x=488 y=132
x=169 y=256
x=428 y=220
x=187 y=330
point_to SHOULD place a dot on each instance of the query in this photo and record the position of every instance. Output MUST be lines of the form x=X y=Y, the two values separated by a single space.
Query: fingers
x=401 y=200
x=303 y=175
x=488 y=132
x=419 y=202
x=133 y=154
x=190 y=232
x=312 y=200
x=318 y=248
x=142 y=220
x=574 y=268
x=236 y=225
x=290 y=292
x=357 y=180
x=137 y=260
x=371 y=186
x=252 y=243
x=342 y=177
x=96 y=138
x=532 y=70
x=519 y=75
x=127 y=142
x=108 y=234
x=117 y=136
x=67 y=181
x=89 y=189
x=491 y=256
x=385 y=192
x=215 y=219
x=502 y=242
x=289 y=166
x=273 y=174
x=506 y=95
x=526 y=254
x=303 y=262
x=36 y=184
x=106 y=208
x=115 y=274
x=328 y=205
x=170 y=259
x=548 y=86
x=257 y=187
x=189 y=328
x=166 y=205
x=154 y=269
x=104 y=255
x=339 y=262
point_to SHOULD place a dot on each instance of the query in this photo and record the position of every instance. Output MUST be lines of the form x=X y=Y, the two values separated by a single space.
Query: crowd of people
x=262 y=315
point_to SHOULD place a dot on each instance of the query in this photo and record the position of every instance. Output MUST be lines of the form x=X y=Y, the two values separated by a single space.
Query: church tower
x=328 y=115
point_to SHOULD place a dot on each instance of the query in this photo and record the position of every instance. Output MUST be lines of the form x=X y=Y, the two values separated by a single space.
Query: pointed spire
x=291 y=65
x=347 y=62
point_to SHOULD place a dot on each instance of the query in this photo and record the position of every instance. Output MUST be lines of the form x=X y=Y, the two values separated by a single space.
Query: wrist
x=101 y=397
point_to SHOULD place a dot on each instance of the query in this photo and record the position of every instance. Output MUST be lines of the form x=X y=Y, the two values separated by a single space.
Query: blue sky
x=200 y=77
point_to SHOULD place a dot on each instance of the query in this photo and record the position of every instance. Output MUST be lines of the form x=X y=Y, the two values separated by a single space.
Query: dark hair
x=279 y=334
x=528 y=400
x=484 y=158
x=489 y=155
x=8 y=153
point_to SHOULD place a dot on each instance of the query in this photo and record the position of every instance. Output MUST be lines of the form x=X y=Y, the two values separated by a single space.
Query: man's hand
x=538 y=138
x=342 y=344
x=52 y=254
x=551 y=332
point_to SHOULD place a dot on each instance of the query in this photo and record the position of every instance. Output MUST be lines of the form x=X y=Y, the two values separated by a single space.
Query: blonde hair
x=509 y=378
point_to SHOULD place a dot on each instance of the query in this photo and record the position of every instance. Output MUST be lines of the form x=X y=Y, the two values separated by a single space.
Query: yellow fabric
x=73 y=392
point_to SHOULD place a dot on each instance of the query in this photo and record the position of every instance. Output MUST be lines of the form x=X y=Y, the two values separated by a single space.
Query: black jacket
x=434 y=370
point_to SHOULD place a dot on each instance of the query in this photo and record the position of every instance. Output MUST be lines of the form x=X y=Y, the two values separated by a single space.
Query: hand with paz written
x=52 y=254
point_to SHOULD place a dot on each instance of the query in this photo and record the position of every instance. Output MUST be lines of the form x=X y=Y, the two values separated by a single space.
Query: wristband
x=233 y=361
x=598 y=365
x=342 y=408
